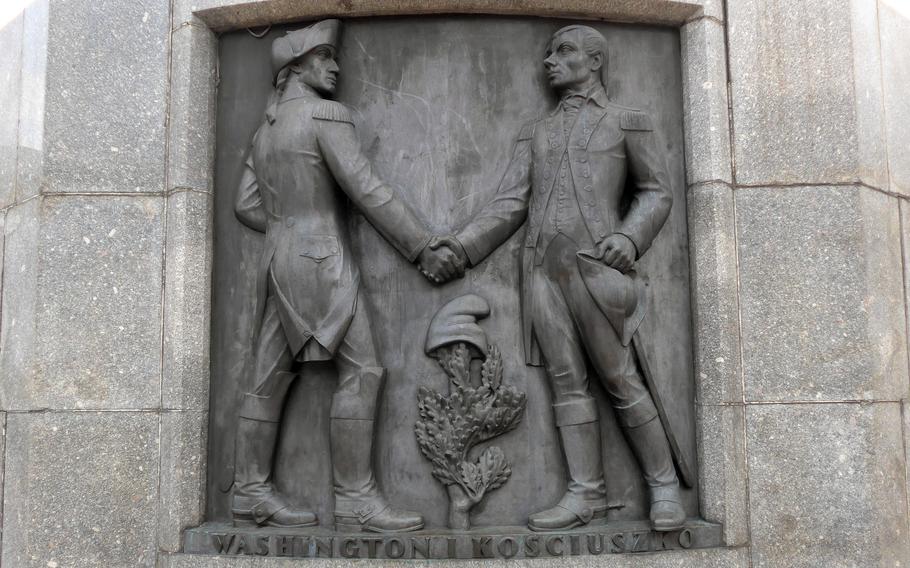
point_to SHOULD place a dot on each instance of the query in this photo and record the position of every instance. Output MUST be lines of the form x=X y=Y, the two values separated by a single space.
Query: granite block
x=711 y=9
x=905 y=414
x=806 y=92
x=10 y=75
x=715 y=304
x=707 y=131
x=197 y=561
x=30 y=167
x=183 y=12
x=723 y=480
x=183 y=458
x=828 y=485
x=223 y=15
x=81 y=488
x=821 y=294
x=187 y=301
x=106 y=102
x=706 y=558
x=2 y=466
x=19 y=300
x=904 y=208
x=894 y=29
x=2 y=248
x=92 y=308
x=191 y=125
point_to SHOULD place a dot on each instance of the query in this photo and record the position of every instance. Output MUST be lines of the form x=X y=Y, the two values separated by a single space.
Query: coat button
x=587 y=188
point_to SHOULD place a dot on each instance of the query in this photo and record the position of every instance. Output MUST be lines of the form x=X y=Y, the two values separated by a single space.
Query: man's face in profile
x=566 y=62
x=319 y=70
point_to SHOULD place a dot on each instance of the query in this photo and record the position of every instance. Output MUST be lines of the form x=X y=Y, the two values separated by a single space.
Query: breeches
x=359 y=372
x=570 y=329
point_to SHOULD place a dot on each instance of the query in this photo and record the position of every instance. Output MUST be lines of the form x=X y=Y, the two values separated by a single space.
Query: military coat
x=304 y=164
x=608 y=146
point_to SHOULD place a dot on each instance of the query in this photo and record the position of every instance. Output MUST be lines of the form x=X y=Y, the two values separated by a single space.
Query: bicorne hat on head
x=295 y=44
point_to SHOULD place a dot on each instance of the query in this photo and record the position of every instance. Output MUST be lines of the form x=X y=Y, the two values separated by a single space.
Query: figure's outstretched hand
x=442 y=260
x=617 y=251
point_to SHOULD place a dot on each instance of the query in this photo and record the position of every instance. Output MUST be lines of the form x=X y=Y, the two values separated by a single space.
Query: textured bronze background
x=440 y=103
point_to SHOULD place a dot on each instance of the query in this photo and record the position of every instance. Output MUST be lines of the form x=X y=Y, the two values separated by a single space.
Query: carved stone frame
x=713 y=255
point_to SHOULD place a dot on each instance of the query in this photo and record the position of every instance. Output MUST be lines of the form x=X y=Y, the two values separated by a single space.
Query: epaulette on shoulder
x=527 y=131
x=334 y=111
x=635 y=120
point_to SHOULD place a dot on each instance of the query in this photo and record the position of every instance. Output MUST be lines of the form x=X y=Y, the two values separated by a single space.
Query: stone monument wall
x=798 y=172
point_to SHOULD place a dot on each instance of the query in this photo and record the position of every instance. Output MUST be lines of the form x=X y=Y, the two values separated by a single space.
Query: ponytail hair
x=280 y=82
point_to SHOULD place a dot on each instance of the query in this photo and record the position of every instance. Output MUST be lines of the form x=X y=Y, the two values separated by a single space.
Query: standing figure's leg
x=255 y=501
x=634 y=408
x=574 y=409
x=359 y=504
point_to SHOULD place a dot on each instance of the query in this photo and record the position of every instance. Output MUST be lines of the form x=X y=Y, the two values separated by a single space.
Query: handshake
x=443 y=259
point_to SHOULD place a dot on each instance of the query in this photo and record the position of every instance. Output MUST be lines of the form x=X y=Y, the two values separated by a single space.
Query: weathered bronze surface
x=571 y=340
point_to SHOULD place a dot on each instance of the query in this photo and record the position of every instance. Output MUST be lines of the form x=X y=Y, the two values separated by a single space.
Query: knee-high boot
x=359 y=505
x=255 y=500
x=585 y=499
x=648 y=442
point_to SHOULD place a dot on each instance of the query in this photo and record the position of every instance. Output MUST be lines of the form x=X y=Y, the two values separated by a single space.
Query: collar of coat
x=299 y=90
x=595 y=94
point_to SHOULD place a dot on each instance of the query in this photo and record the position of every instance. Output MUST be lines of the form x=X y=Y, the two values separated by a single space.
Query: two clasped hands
x=445 y=259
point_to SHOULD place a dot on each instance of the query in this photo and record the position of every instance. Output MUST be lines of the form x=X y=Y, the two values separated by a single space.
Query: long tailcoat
x=608 y=146
x=305 y=162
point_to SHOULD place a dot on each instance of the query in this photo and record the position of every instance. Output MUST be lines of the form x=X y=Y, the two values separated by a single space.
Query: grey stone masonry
x=798 y=172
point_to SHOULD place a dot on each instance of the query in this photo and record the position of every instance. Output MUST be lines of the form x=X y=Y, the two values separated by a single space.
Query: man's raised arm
x=506 y=212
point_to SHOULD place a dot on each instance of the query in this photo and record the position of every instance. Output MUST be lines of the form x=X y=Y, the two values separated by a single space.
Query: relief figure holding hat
x=305 y=162
x=591 y=182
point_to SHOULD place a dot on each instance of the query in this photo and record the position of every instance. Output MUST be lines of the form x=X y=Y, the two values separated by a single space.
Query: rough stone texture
x=2 y=249
x=807 y=104
x=106 y=98
x=829 y=485
x=87 y=291
x=710 y=558
x=223 y=15
x=19 y=300
x=705 y=96
x=187 y=301
x=81 y=489
x=894 y=26
x=191 y=152
x=904 y=208
x=723 y=489
x=715 y=305
x=30 y=167
x=2 y=466
x=711 y=8
x=821 y=294
x=182 y=499
x=10 y=74
x=905 y=414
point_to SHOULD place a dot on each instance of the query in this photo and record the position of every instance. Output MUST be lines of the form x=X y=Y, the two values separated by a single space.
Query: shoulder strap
x=635 y=120
x=332 y=111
